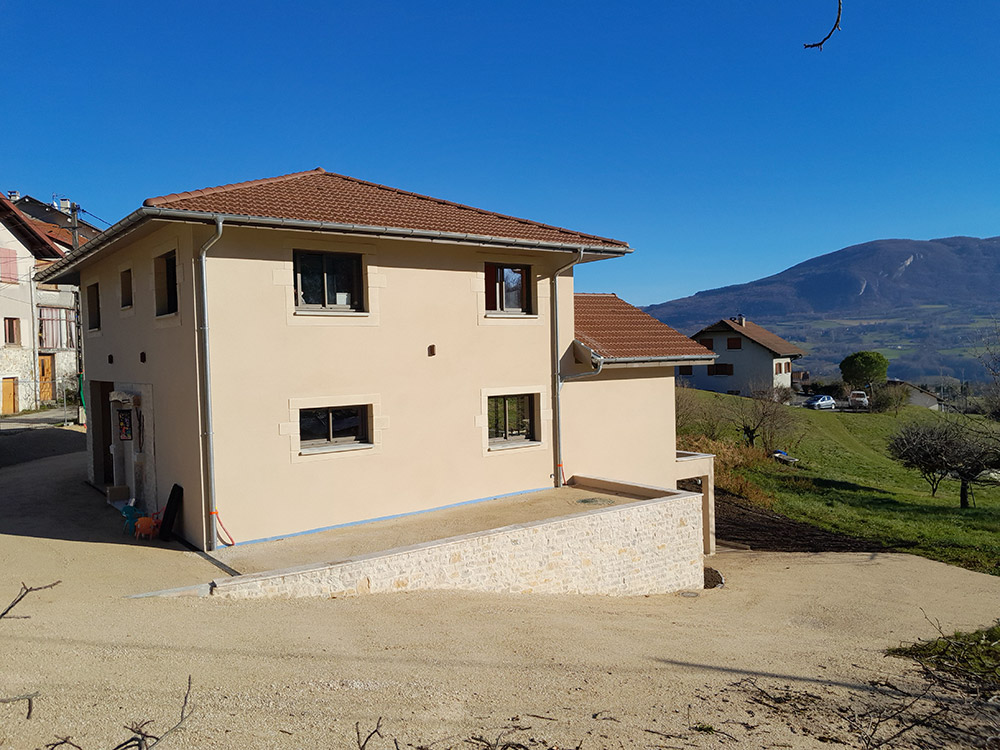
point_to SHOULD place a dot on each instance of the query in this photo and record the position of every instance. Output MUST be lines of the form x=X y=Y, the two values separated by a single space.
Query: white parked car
x=858 y=400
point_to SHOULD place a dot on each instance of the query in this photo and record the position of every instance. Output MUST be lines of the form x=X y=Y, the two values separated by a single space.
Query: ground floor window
x=331 y=426
x=512 y=419
x=720 y=369
x=12 y=331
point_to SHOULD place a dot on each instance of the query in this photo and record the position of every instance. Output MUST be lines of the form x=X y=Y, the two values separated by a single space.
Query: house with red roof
x=38 y=355
x=313 y=350
x=750 y=358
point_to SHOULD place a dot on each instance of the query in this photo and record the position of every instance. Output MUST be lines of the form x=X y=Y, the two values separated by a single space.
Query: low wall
x=647 y=547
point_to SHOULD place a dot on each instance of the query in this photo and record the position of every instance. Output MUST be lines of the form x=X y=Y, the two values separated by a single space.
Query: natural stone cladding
x=647 y=547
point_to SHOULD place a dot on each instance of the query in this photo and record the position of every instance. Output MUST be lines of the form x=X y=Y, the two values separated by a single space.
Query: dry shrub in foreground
x=730 y=458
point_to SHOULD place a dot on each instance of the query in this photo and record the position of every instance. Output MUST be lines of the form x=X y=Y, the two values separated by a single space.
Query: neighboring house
x=801 y=381
x=919 y=396
x=58 y=214
x=750 y=358
x=313 y=350
x=38 y=354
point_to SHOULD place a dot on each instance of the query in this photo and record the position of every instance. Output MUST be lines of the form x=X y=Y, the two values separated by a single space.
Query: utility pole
x=75 y=225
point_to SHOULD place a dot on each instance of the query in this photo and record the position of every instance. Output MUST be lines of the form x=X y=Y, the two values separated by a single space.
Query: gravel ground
x=443 y=668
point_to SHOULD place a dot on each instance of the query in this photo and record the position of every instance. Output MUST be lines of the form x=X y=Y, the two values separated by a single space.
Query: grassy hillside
x=846 y=482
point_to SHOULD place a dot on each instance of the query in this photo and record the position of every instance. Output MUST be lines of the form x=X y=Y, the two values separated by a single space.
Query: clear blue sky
x=700 y=132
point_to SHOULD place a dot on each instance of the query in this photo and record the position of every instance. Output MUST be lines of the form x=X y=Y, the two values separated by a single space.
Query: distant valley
x=927 y=305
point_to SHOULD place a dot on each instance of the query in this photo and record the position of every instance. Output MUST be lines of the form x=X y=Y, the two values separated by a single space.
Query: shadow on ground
x=49 y=497
x=20 y=445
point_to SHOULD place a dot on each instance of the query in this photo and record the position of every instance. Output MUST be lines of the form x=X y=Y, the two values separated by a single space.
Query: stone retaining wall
x=647 y=547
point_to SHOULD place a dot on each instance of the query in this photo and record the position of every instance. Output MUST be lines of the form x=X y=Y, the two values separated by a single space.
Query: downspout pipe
x=205 y=384
x=557 y=371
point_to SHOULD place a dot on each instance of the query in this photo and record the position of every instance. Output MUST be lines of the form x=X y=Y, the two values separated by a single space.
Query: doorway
x=9 y=403
x=99 y=414
x=46 y=366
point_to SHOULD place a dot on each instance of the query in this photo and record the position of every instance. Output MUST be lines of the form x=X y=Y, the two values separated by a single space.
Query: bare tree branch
x=836 y=27
x=29 y=697
x=25 y=590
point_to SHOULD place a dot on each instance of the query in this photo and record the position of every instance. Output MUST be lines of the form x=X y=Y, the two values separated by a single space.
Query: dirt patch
x=766 y=530
x=738 y=522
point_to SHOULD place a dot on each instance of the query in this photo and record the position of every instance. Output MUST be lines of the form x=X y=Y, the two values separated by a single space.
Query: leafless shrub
x=763 y=420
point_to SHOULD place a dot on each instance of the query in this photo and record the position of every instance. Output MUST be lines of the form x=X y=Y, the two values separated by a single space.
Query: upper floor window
x=93 y=307
x=126 y=288
x=56 y=328
x=508 y=289
x=328 y=281
x=165 y=277
x=8 y=265
x=734 y=343
x=707 y=343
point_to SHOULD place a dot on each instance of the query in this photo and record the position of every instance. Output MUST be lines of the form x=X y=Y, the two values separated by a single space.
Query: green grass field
x=846 y=482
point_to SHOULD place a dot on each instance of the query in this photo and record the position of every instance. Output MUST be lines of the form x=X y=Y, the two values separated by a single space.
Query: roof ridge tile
x=171 y=197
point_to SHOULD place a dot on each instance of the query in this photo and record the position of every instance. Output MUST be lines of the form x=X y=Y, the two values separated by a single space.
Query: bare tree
x=763 y=418
x=947 y=448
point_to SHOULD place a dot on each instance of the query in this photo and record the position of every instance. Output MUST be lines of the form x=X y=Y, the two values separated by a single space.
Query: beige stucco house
x=313 y=350
x=38 y=355
x=750 y=358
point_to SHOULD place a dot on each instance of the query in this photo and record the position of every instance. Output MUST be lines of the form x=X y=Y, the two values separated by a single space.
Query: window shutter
x=491 y=286
x=707 y=343
x=8 y=265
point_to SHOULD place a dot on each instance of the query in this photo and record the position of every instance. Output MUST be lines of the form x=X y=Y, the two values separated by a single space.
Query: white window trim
x=373 y=281
x=379 y=422
x=543 y=419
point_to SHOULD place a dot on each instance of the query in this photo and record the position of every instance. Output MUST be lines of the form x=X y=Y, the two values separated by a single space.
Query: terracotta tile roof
x=754 y=332
x=57 y=233
x=37 y=241
x=614 y=329
x=318 y=195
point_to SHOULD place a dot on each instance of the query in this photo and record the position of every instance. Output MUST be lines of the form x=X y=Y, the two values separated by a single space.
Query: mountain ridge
x=918 y=301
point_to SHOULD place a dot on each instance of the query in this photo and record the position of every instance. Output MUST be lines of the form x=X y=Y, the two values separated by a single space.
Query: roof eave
x=71 y=261
x=680 y=359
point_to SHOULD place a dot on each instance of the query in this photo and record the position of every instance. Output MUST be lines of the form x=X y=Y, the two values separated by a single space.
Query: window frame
x=166 y=290
x=357 y=275
x=126 y=305
x=94 y=306
x=511 y=438
x=362 y=439
x=60 y=333
x=734 y=342
x=12 y=331
x=496 y=289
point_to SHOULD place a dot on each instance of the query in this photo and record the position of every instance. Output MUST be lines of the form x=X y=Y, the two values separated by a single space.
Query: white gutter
x=205 y=383
x=556 y=371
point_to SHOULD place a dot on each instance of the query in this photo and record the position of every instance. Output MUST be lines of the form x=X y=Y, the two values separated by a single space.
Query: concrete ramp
x=651 y=546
